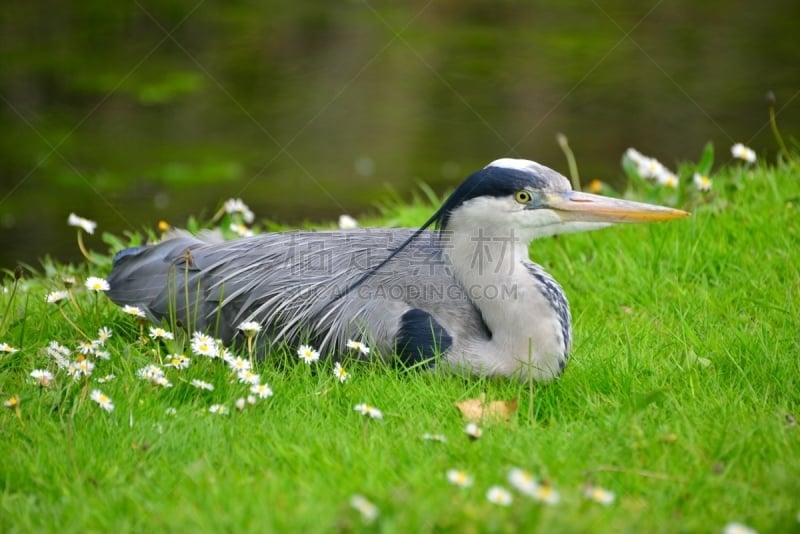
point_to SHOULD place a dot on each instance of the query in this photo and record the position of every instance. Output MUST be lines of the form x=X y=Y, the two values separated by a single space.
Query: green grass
x=679 y=397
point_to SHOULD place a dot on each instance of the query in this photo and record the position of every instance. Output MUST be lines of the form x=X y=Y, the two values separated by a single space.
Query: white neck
x=527 y=333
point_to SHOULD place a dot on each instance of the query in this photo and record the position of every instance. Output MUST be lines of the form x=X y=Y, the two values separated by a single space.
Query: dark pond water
x=131 y=112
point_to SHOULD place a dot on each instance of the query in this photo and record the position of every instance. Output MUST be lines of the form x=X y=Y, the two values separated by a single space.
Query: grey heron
x=461 y=290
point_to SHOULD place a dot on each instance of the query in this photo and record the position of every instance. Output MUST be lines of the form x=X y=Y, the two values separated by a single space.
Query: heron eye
x=523 y=197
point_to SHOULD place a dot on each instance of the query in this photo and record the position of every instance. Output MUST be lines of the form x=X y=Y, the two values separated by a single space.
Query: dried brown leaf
x=480 y=410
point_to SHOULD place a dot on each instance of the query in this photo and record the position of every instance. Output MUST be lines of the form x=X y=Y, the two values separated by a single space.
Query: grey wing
x=295 y=285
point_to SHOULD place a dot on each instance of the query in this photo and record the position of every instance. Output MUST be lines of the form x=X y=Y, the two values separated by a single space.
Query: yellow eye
x=523 y=197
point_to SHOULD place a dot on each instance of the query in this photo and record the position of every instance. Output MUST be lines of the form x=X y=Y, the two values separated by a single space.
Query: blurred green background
x=132 y=112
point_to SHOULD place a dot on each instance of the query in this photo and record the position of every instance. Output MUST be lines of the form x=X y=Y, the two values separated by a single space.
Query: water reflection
x=159 y=110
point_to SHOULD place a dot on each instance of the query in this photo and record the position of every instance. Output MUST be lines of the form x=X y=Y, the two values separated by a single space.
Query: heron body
x=465 y=290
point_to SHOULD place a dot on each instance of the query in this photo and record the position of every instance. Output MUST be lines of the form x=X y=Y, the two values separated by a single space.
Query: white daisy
x=738 y=528
x=263 y=391
x=103 y=335
x=103 y=400
x=307 y=354
x=134 y=310
x=473 y=431
x=702 y=182
x=250 y=327
x=150 y=372
x=220 y=409
x=97 y=284
x=499 y=495
x=347 y=222
x=56 y=296
x=340 y=372
x=5 y=347
x=359 y=346
x=744 y=153
x=178 y=361
x=369 y=512
x=239 y=364
x=371 y=411
x=156 y=332
x=598 y=494
x=248 y=377
x=85 y=224
x=42 y=376
x=523 y=481
x=201 y=384
x=236 y=205
x=459 y=478
x=204 y=345
x=59 y=353
x=240 y=230
x=79 y=368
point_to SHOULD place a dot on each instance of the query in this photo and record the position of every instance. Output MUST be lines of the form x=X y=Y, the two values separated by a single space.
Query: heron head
x=536 y=201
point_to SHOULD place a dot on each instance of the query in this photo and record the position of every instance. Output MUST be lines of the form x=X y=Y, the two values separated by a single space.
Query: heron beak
x=578 y=206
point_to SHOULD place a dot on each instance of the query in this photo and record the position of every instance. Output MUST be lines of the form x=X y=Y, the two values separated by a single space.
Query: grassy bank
x=680 y=398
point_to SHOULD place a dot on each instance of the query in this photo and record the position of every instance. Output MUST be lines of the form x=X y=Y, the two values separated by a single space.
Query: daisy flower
x=86 y=347
x=178 y=361
x=744 y=153
x=240 y=230
x=307 y=354
x=5 y=347
x=248 y=377
x=340 y=372
x=250 y=328
x=134 y=310
x=149 y=372
x=523 y=481
x=441 y=438
x=473 y=431
x=12 y=402
x=103 y=335
x=204 y=345
x=701 y=182
x=359 y=346
x=201 y=384
x=42 y=376
x=59 y=353
x=546 y=494
x=102 y=354
x=56 y=296
x=667 y=179
x=219 y=409
x=499 y=495
x=85 y=224
x=459 y=478
x=240 y=403
x=239 y=364
x=236 y=205
x=103 y=400
x=80 y=367
x=369 y=512
x=97 y=284
x=371 y=411
x=162 y=381
x=737 y=528
x=171 y=411
x=346 y=222
x=156 y=332
x=262 y=390
x=107 y=378
x=598 y=494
